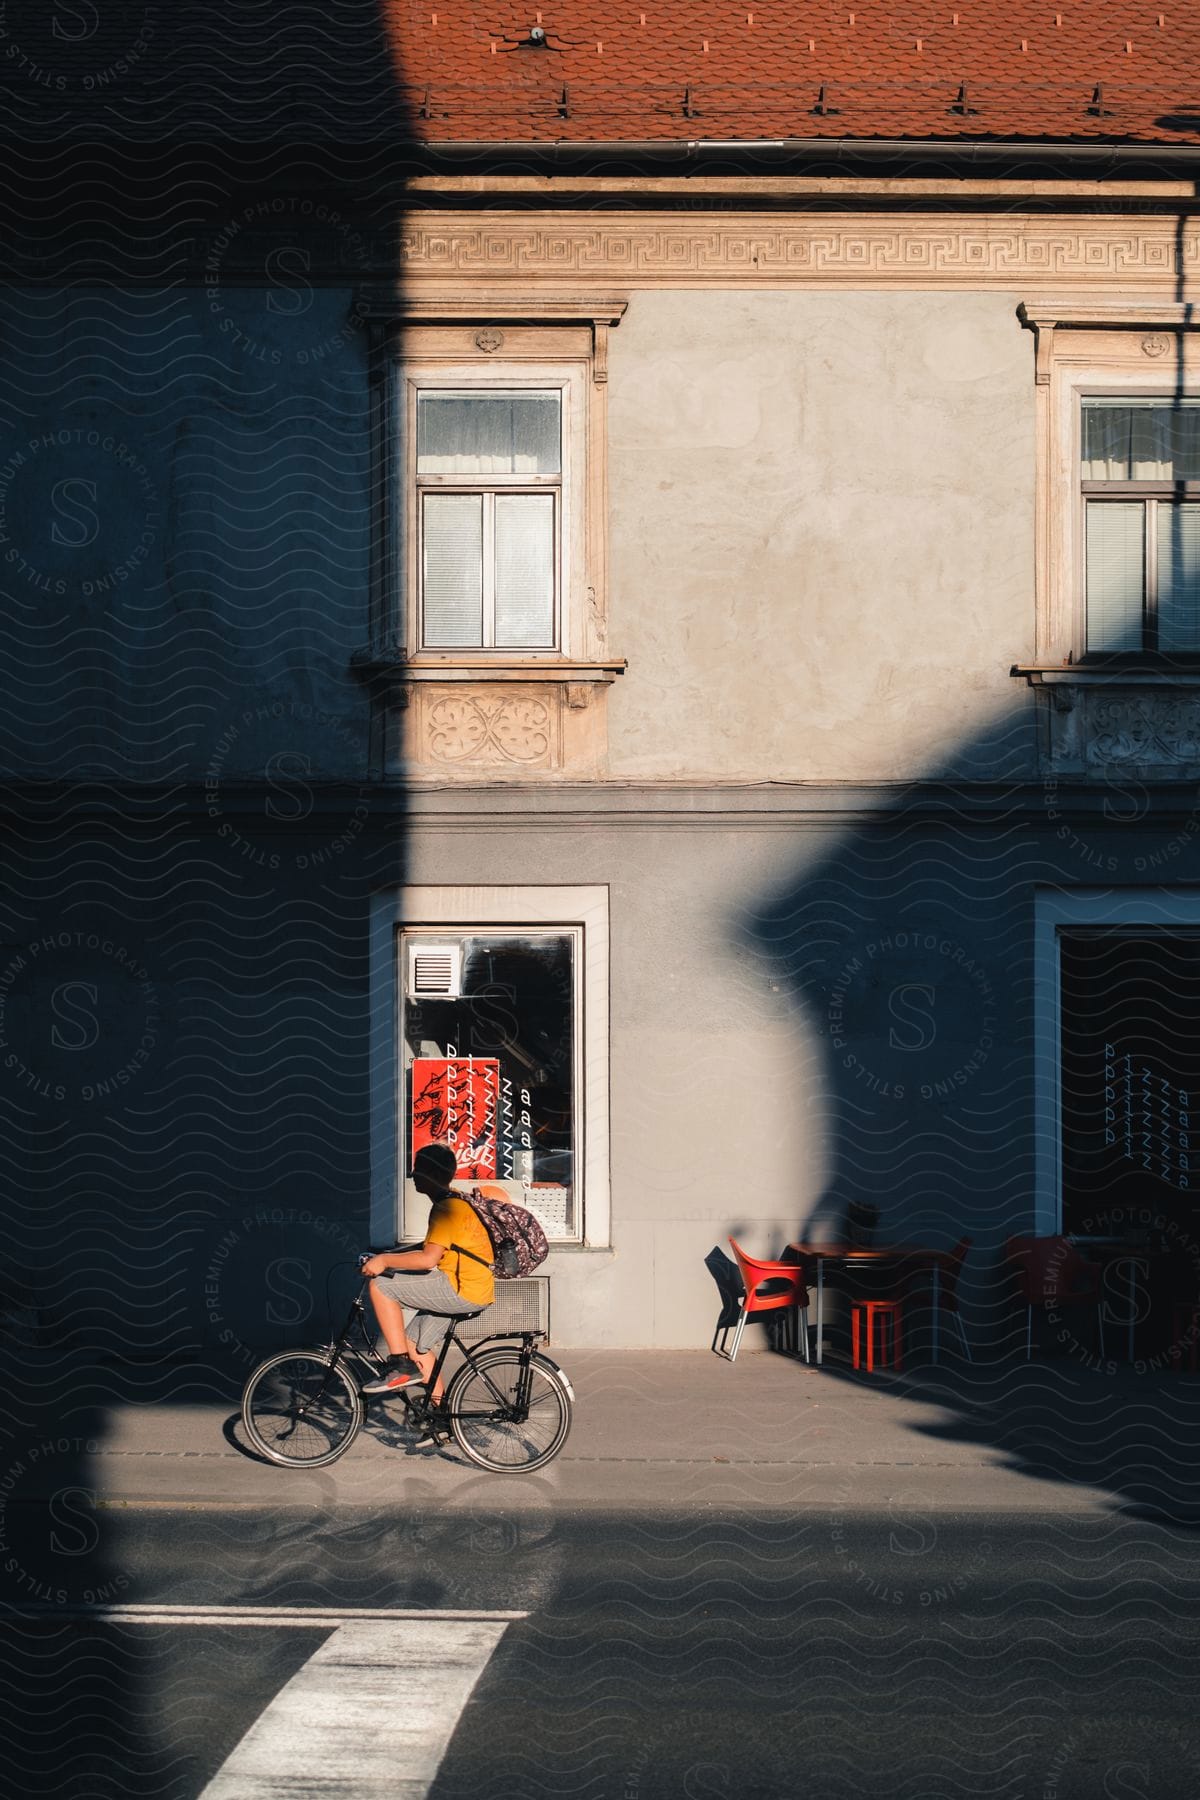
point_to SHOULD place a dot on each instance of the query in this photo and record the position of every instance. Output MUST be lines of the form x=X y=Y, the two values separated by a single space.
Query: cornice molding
x=1079 y=312
x=1057 y=255
x=390 y=305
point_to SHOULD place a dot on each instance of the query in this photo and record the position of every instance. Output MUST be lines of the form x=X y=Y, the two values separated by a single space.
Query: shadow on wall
x=910 y=950
x=194 y=819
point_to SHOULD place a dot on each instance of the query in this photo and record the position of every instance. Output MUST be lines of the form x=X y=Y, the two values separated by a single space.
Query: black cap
x=437 y=1162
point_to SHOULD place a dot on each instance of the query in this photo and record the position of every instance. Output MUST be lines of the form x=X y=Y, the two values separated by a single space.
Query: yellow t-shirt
x=452 y=1221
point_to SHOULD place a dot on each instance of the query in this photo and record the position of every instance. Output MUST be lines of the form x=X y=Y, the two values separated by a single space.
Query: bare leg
x=390 y=1314
x=425 y=1363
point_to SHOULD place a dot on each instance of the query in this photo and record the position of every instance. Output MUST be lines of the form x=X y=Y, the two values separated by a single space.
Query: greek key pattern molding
x=909 y=252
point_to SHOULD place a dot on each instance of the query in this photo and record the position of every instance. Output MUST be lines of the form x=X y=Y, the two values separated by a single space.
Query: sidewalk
x=683 y=1430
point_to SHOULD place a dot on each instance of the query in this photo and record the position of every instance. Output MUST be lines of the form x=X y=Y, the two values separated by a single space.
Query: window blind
x=525 y=571
x=453 y=574
x=1178 y=577
x=1116 y=575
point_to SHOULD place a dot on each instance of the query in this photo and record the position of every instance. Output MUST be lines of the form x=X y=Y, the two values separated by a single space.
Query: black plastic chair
x=727 y=1276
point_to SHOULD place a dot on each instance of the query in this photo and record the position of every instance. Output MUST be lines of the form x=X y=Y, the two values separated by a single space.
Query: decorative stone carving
x=1156 y=344
x=490 y=729
x=489 y=339
x=1145 y=729
x=1152 y=733
x=817 y=250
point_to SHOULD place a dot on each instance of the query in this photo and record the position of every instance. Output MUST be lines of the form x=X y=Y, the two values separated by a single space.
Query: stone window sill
x=395 y=667
x=1061 y=680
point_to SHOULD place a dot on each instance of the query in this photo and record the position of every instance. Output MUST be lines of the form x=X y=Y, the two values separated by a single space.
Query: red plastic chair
x=1051 y=1273
x=889 y=1316
x=787 y=1291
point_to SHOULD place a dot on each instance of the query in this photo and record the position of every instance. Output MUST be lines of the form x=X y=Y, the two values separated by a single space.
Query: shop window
x=1116 y=1057
x=1130 y=1075
x=490 y=1062
x=491 y=1011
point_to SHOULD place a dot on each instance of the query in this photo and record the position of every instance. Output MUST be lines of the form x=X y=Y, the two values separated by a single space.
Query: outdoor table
x=918 y=1255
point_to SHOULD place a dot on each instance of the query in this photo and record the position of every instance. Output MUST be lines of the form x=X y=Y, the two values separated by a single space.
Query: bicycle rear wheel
x=482 y=1412
x=299 y=1412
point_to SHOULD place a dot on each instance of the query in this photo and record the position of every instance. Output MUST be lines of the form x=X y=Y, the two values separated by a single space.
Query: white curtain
x=488 y=434
x=1141 y=440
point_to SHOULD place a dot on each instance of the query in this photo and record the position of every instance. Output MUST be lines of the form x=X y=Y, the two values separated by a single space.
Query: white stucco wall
x=821 y=530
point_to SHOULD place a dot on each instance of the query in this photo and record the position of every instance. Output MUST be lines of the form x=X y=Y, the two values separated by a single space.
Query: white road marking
x=307 y=1618
x=369 y=1715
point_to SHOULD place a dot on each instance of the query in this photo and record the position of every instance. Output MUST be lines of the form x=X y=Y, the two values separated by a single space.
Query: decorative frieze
x=505 y=731
x=492 y=729
x=742 y=249
x=1155 y=734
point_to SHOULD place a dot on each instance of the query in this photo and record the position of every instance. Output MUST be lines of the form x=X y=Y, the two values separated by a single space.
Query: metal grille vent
x=434 y=971
x=519 y=1306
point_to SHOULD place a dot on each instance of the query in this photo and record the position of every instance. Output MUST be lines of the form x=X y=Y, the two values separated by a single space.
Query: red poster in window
x=456 y=1101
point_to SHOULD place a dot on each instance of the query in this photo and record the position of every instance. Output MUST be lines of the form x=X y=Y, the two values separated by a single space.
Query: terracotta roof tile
x=677 y=69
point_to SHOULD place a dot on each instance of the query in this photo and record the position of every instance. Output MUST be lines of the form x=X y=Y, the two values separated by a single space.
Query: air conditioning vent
x=522 y=1305
x=434 y=971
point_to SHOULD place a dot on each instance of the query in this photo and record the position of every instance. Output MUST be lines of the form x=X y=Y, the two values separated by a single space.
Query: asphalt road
x=691 y=1654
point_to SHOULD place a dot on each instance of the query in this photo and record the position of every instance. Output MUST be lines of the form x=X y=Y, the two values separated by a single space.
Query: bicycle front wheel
x=491 y=1427
x=300 y=1412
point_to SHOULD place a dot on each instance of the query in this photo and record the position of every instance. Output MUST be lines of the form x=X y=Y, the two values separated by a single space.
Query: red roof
x=683 y=70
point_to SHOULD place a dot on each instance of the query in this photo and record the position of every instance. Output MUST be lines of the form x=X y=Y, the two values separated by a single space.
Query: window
x=1116 y=1065
x=1140 y=477
x=499 y=516
x=489 y=476
x=490 y=1014
x=490 y=1061
x=1130 y=1070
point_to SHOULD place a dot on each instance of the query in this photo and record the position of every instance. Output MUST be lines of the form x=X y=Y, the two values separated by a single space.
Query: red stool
x=1185 y=1324
x=890 y=1314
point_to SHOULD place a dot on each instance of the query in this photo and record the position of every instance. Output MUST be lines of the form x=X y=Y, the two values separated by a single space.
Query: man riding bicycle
x=450 y=1273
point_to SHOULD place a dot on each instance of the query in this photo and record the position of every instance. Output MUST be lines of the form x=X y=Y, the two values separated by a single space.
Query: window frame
x=1155 y=909
x=557 y=485
x=411 y=933
x=569 y=379
x=396 y=1210
x=1148 y=494
x=1109 y=354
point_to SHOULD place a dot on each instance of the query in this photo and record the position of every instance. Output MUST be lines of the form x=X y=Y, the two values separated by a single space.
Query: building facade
x=670 y=662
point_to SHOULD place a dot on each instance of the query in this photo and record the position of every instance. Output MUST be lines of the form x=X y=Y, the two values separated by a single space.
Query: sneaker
x=401 y=1372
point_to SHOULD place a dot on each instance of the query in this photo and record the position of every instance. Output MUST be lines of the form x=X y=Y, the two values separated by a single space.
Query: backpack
x=518 y=1241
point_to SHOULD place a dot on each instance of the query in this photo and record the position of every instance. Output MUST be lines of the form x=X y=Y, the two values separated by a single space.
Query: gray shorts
x=423 y=1289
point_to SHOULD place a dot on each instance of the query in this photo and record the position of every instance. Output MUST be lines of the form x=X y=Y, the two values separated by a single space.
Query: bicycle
x=507 y=1407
